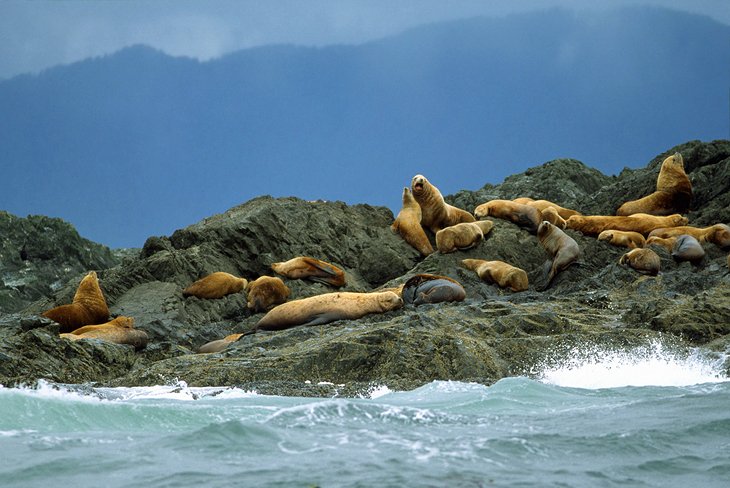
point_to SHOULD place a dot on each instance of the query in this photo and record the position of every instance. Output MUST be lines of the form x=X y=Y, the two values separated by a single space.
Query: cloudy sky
x=37 y=34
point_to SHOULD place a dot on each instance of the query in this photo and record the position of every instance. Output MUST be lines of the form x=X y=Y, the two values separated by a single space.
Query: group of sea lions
x=654 y=220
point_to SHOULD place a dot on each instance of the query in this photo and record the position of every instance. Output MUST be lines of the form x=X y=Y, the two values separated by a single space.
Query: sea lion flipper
x=322 y=266
x=322 y=318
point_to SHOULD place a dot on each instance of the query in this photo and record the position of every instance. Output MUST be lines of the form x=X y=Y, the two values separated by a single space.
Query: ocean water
x=646 y=418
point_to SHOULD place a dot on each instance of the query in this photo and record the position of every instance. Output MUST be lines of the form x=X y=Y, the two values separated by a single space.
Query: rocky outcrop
x=492 y=334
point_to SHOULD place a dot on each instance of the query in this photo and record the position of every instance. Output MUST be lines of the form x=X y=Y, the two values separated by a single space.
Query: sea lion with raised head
x=562 y=249
x=87 y=308
x=322 y=309
x=408 y=224
x=620 y=238
x=645 y=261
x=673 y=192
x=521 y=214
x=428 y=288
x=215 y=285
x=462 y=236
x=304 y=267
x=119 y=331
x=265 y=292
x=687 y=248
x=436 y=214
x=718 y=234
x=593 y=225
x=500 y=273
x=220 y=344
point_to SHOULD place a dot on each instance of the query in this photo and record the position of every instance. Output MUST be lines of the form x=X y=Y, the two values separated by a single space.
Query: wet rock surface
x=492 y=334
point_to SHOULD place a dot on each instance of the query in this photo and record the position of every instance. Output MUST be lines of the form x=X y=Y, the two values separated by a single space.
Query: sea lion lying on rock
x=523 y=215
x=718 y=234
x=427 y=288
x=498 y=272
x=462 y=236
x=542 y=205
x=119 y=331
x=304 y=267
x=644 y=261
x=562 y=249
x=666 y=243
x=593 y=225
x=87 y=308
x=673 y=192
x=220 y=344
x=264 y=292
x=436 y=214
x=551 y=215
x=408 y=224
x=687 y=248
x=215 y=285
x=632 y=240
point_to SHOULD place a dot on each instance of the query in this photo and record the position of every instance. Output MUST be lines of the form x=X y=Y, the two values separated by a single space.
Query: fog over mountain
x=139 y=143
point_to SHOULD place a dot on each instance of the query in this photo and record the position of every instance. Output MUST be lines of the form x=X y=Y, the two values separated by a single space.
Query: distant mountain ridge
x=140 y=143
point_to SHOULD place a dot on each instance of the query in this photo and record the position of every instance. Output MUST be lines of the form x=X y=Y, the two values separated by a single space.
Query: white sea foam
x=652 y=365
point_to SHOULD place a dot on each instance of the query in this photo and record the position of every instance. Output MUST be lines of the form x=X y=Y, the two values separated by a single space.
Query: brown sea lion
x=215 y=285
x=220 y=344
x=119 y=331
x=632 y=240
x=322 y=309
x=541 y=205
x=666 y=243
x=498 y=272
x=521 y=214
x=687 y=248
x=304 y=267
x=718 y=234
x=641 y=223
x=87 y=308
x=644 y=261
x=408 y=224
x=673 y=192
x=436 y=214
x=264 y=292
x=428 y=288
x=462 y=236
x=562 y=249
x=551 y=215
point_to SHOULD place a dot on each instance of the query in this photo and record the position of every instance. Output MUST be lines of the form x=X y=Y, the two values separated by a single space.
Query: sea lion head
x=720 y=235
x=390 y=300
x=418 y=184
x=544 y=229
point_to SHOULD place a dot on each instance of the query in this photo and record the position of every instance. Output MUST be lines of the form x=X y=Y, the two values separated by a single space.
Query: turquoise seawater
x=645 y=418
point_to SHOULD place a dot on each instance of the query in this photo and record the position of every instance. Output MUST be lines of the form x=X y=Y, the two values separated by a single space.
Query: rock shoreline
x=594 y=305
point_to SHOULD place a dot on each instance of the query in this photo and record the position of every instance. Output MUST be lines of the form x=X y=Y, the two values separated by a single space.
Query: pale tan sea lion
x=304 y=267
x=408 y=224
x=87 y=308
x=551 y=215
x=436 y=214
x=666 y=243
x=562 y=249
x=620 y=238
x=119 y=331
x=220 y=344
x=673 y=192
x=687 y=248
x=215 y=285
x=541 y=205
x=428 y=288
x=266 y=291
x=641 y=223
x=121 y=321
x=644 y=261
x=521 y=214
x=322 y=309
x=718 y=234
x=462 y=236
x=498 y=272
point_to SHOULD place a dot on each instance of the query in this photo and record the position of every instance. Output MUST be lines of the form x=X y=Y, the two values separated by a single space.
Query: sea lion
x=498 y=272
x=644 y=261
x=427 y=288
x=462 y=236
x=687 y=248
x=220 y=344
x=436 y=214
x=718 y=234
x=728 y=261
x=641 y=223
x=632 y=240
x=119 y=331
x=264 y=292
x=666 y=243
x=562 y=249
x=408 y=224
x=322 y=309
x=87 y=308
x=521 y=214
x=541 y=205
x=215 y=285
x=673 y=192
x=304 y=267
x=551 y=215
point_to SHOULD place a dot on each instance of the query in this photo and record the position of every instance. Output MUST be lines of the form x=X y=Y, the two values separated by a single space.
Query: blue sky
x=39 y=34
